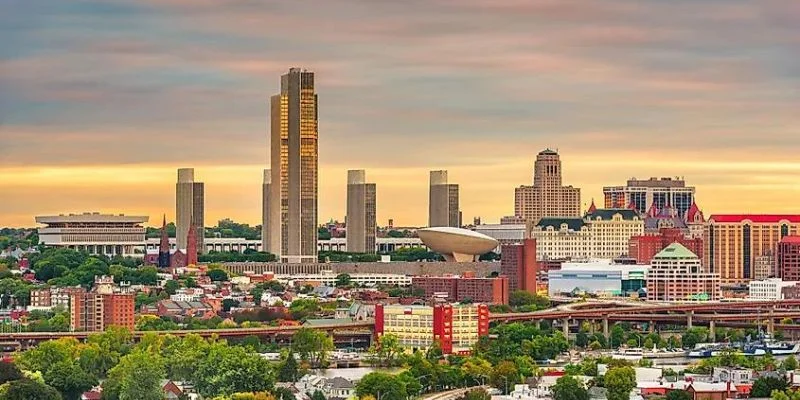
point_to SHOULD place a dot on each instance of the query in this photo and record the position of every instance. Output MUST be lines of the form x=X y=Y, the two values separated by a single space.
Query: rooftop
x=755 y=218
x=675 y=251
x=791 y=239
x=91 y=217
x=574 y=224
x=606 y=214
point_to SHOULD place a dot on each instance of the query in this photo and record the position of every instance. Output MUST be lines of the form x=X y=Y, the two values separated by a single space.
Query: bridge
x=724 y=313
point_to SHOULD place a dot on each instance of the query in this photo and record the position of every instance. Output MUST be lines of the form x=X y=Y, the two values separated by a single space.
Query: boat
x=663 y=353
x=629 y=354
x=783 y=349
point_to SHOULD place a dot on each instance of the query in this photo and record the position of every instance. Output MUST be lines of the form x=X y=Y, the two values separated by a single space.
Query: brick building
x=787 y=263
x=519 y=264
x=107 y=305
x=479 y=290
x=456 y=328
x=643 y=248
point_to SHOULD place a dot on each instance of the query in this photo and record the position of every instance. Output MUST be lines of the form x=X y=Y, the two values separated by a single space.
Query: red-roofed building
x=734 y=242
x=787 y=263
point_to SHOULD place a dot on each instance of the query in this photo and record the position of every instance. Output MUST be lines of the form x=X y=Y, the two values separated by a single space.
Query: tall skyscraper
x=189 y=208
x=547 y=197
x=268 y=243
x=443 y=201
x=294 y=159
x=361 y=224
x=653 y=193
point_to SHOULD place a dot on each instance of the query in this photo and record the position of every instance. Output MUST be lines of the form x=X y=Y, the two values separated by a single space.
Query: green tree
x=693 y=336
x=678 y=395
x=789 y=364
x=27 y=389
x=171 y=286
x=9 y=372
x=69 y=379
x=288 y=370
x=312 y=345
x=231 y=369
x=227 y=304
x=137 y=377
x=519 y=298
x=763 y=386
x=386 y=350
x=217 y=275
x=477 y=394
x=381 y=386
x=48 y=354
x=569 y=388
x=343 y=280
x=318 y=395
x=582 y=339
x=617 y=335
x=619 y=382
x=477 y=369
x=504 y=376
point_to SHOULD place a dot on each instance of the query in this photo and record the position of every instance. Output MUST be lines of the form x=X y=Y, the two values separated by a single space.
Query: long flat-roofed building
x=95 y=233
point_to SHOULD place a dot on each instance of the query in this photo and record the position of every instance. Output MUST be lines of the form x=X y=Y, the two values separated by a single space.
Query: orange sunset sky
x=100 y=103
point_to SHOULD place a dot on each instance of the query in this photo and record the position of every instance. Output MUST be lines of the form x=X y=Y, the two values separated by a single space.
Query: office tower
x=361 y=224
x=518 y=263
x=547 y=197
x=733 y=243
x=294 y=158
x=677 y=274
x=653 y=193
x=163 y=247
x=788 y=259
x=443 y=201
x=269 y=243
x=189 y=208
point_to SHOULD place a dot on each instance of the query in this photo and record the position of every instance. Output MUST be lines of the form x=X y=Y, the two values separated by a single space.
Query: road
x=450 y=395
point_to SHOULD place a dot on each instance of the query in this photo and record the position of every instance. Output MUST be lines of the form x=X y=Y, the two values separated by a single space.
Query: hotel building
x=95 y=233
x=602 y=233
x=654 y=192
x=294 y=159
x=456 y=327
x=677 y=274
x=547 y=197
x=733 y=243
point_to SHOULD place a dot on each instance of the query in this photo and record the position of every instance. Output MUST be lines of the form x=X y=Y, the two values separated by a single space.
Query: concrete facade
x=547 y=197
x=189 y=207
x=443 y=202
x=397 y=267
x=266 y=189
x=294 y=159
x=95 y=233
x=361 y=208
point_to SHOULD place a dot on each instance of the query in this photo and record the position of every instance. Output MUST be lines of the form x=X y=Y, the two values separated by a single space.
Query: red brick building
x=518 y=263
x=643 y=248
x=787 y=261
x=479 y=290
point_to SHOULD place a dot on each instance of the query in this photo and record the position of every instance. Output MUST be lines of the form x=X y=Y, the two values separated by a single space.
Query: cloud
x=474 y=86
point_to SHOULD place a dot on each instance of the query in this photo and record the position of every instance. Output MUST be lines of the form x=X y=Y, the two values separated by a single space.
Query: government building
x=95 y=233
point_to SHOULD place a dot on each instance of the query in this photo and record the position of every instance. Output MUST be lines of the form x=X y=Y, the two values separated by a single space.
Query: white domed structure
x=456 y=244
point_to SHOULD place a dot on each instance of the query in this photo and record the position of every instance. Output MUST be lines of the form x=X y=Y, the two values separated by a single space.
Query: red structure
x=643 y=248
x=191 y=246
x=518 y=263
x=118 y=310
x=94 y=312
x=479 y=290
x=443 y=326
x=787 y=261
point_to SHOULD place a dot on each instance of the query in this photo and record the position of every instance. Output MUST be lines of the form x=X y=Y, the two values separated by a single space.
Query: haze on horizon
x=101 y=102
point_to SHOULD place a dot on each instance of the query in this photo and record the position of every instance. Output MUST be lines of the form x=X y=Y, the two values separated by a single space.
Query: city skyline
x=643 y=91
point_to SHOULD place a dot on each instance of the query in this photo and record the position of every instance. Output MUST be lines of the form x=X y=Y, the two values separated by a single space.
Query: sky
x=101 y=101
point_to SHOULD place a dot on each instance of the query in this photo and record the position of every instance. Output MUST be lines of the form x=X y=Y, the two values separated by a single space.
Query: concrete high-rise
x=654 y=193
x=268 y=243
x=443 y=201
x=361 y=224
x=189 y=208
x=547 y=197
x=294 y=161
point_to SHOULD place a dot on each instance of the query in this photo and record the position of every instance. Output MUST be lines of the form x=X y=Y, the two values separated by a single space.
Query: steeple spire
x=592 y=208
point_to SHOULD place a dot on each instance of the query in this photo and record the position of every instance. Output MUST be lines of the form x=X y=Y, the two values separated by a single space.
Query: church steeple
x=163 y=247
